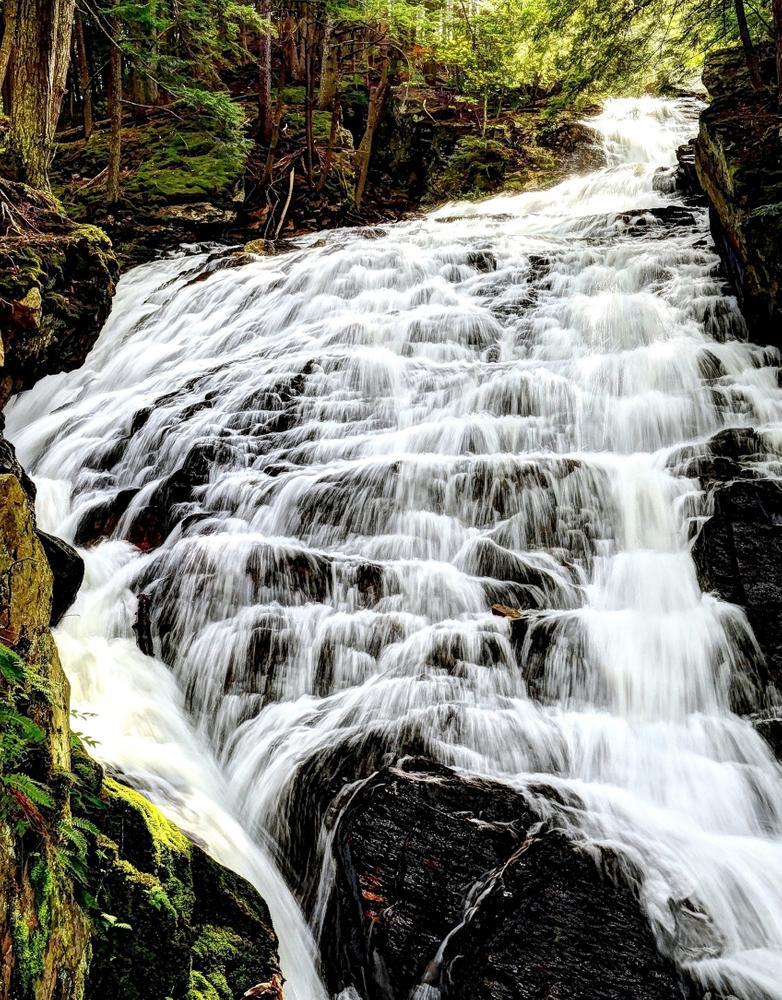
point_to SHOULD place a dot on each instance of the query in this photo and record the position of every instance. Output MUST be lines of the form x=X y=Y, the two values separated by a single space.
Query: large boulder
x=456 y=883
x=67 y=568
x=56 y=284
x=170 y=921
x=738 y=554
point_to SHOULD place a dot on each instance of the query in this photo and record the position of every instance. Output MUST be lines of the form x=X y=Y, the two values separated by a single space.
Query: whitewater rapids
x=403 y=426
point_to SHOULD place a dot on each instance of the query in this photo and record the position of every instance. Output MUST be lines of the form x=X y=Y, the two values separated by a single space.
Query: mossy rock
x=164 y=161
x=175 y=923
x=321 y=125
x=476 y=166
x=56 y=288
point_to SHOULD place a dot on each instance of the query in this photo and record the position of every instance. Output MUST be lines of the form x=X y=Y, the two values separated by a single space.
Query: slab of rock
x=738 y=555
x=453 y=882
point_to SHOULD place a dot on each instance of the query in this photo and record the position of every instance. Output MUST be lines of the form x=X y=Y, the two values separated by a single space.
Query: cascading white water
x=404 y=426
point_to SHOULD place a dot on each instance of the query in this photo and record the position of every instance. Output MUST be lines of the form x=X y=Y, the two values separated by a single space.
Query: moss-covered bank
x=183 y=181
x=100 y=895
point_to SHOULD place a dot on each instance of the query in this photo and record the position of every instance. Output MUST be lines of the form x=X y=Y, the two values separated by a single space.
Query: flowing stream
x=389 y=431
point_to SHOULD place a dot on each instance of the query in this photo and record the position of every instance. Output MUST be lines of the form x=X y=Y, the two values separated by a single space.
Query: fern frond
x=33 y=790
x=12 y=667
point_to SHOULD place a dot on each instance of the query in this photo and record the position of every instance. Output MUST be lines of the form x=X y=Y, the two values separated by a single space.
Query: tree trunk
x=265 y=124
x=85 y=83
x=37 y=70
x=329 y=67
x=377 y=101
x=268 y=169
x=295 y=65
x=336 y=110
x=777 y=7
x=9 y=29
x=750 y=55
x=114 y=104
x=308 y=102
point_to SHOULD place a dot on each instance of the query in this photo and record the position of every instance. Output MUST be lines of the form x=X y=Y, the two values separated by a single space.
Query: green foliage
x=12 y=668
x=31 y=939
x=475 y=166
x=22 y=797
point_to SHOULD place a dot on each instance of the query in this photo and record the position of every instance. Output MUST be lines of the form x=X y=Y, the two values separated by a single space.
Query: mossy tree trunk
x=85 y=81
x=329 y=67
x=750 y=54
x=37 y=70
x=377 y=102
x=777 y=7
x=6 y=46
x=265 y=78
x=114 y=101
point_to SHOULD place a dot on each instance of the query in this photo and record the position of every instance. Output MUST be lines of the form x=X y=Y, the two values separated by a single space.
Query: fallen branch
x=286 y=206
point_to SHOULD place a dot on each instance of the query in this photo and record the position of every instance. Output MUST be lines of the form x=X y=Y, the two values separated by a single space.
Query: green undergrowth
x=164 y=161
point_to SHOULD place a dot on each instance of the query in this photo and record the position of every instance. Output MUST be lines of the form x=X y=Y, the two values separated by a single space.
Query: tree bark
x=750 y=54
x=37 y=71
x=377 y=101
x=85 y=82
x=336 y=110
x=308 y=102
x=777 y=9
x=114 y=102
x=265 y=124
x=9 y=29
x=268 y=169
x=329 y=67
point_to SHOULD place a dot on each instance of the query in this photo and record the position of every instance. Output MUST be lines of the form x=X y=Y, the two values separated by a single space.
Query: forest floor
x=182 y=183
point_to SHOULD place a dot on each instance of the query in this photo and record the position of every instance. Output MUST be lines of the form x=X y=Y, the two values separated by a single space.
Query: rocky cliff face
x=56 y=284
x=738 y=550
x=738 y=166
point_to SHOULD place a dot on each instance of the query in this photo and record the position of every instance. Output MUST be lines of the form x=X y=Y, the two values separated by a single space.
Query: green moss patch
x=197 y=931
x=163 y=161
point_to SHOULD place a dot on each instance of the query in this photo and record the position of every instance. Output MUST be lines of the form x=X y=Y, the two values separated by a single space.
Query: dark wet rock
x=770 y=728
x=737 y=162
x=729 y=454
x=738 y=555
x=320 y=786
x=9 y=465
x=56 y=285
x=482 y=260
x=686 y=173
x=142 y=626
x=173 y=498
x=67 y=568
x=101 y=519
x=656 y=221
x=153 y=522
x=454 y=882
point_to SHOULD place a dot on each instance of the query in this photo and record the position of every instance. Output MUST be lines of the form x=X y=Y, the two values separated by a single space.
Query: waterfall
x=317 y=471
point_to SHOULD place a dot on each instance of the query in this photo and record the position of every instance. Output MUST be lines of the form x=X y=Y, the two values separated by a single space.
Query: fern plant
x=23 y=799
